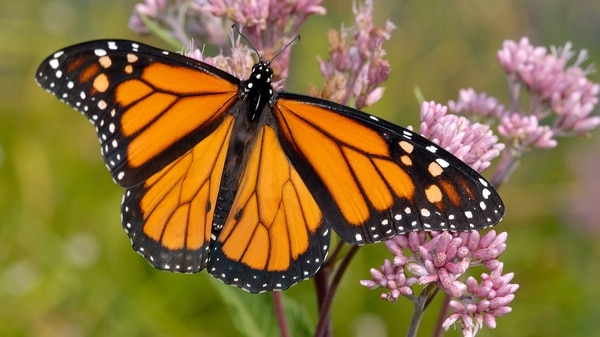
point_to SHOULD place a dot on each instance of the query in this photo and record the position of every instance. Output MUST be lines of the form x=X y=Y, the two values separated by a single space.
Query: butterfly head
x=257 y=89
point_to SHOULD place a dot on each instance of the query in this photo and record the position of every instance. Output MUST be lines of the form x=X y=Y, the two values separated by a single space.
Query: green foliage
x=253 y=315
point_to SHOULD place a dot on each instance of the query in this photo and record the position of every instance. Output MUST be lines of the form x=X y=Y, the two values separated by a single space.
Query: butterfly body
x=230 y=176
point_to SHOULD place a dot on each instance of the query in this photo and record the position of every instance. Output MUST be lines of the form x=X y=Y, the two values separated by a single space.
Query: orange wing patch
x=273 y=215
x=173 y=124
x=352 y=160
x=149 y=113
x=173 y=210
x=165 y=104
x=185 y=80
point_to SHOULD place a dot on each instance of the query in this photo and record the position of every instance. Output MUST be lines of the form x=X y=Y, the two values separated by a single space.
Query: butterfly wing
x=275 y=234
x=164 y=123
x=373 y=179
x=148 y=106
x=170 y=216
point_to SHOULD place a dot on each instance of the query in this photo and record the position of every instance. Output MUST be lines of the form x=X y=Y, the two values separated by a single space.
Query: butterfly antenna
x=292 y=41
x=239 y=32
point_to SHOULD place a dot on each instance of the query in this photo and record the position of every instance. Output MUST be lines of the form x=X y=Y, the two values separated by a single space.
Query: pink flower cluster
x=356 y=67
x=267 y=24
x=563 y=89
x=238 y=61
x=561 y=98
x=442 y=258
x=471 y=103
x=473 y=143
x=525 y=132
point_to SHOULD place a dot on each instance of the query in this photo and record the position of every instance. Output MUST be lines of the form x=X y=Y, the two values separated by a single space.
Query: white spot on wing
x=54 y=63
x=442 y=162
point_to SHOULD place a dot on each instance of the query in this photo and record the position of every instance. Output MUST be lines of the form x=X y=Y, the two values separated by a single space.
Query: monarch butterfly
x=228 y=175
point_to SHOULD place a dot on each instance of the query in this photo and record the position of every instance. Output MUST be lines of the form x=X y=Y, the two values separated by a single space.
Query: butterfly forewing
x=378 y=179
x=148 y=106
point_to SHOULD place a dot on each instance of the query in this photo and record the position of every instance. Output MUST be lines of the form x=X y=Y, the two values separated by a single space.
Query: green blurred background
x=67 y=268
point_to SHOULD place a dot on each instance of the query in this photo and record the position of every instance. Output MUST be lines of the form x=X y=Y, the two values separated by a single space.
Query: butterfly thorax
x=255 y=94
x=257 y=90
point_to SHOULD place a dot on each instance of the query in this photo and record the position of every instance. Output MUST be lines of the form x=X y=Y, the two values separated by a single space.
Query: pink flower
x=470 y=103
x=443 y=258
x=239 y=62
x=269 y=25
x=149 y=9
x=485 y=301
x=526 y=132
x=556 y=87
x=356 y=67
x=561 y=100
x=473 y=143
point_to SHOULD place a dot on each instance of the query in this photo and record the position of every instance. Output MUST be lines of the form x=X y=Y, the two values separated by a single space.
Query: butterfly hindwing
x=374 y=179
x=148 y=106
x=275 y=234
x=169 y=217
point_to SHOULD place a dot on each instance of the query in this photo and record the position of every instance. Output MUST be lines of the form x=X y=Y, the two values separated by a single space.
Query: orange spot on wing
x=105 y=61
x=406 y=146
x=406 y=160
x=433 y=194
x=450 y=192
x=435 y=169
x=101 y=83
x=87 y=73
